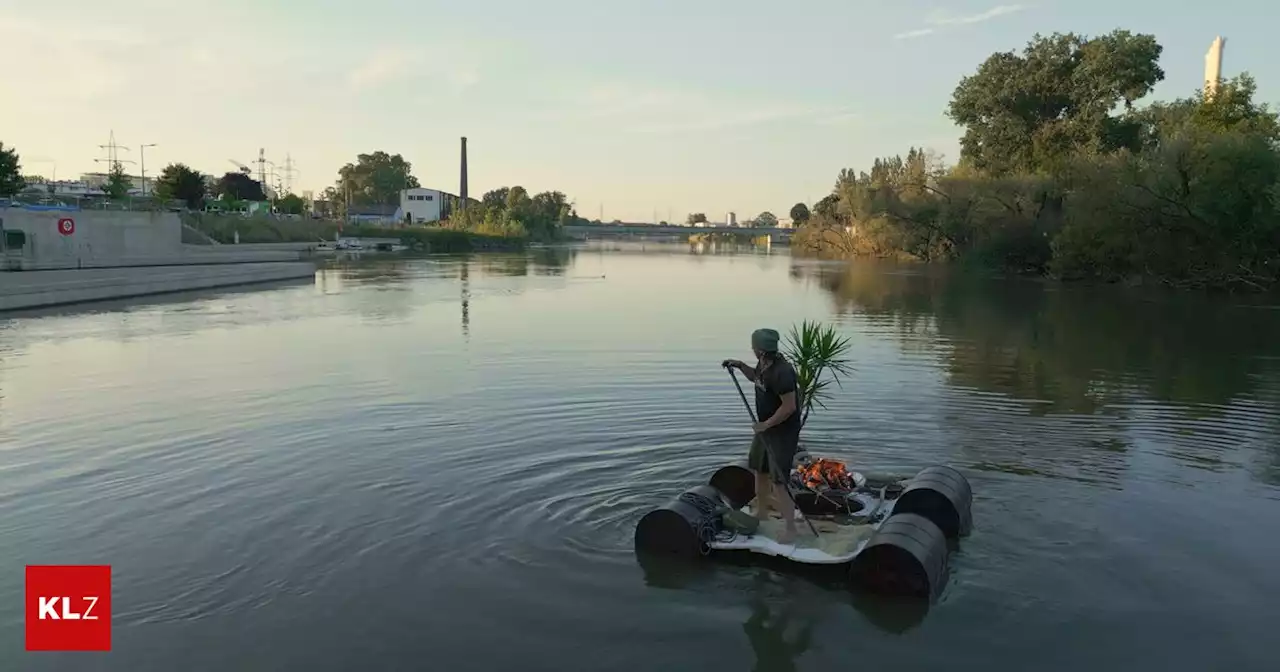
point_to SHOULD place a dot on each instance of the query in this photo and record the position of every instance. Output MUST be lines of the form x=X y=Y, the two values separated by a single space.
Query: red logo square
x=68 y=608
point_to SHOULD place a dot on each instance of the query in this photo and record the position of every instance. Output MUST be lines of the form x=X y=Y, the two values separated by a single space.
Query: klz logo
x=68 y=607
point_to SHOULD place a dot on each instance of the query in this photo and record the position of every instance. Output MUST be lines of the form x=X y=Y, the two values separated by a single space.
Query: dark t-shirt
x=771 y=383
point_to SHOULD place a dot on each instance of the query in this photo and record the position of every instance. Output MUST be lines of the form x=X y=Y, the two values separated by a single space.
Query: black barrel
x=942 y=495
x=906 y=557
x=683 y=526
x=738 y=484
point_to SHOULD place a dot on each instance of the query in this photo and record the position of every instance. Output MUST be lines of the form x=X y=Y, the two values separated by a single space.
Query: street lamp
x=142 y=155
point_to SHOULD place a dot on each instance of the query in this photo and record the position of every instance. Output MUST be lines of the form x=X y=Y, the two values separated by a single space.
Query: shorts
x=783 y=449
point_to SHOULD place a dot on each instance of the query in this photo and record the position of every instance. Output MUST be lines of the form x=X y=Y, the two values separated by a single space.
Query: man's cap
x=765 y=340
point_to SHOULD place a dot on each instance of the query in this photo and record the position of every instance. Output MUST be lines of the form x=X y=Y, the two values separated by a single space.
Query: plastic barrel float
x=889 y=536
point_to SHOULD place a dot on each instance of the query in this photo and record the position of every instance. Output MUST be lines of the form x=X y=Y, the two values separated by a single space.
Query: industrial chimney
x=462 y=190
x=1213 y=67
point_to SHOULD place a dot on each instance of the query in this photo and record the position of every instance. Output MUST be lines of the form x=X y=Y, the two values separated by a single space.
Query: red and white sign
x=66 y=226
x=68 y=608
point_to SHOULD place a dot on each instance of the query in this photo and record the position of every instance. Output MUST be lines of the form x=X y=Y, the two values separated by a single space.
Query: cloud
x=382 y=65
x=665 y=111
x=919 y=32
x=387 y=64
x=939 y=19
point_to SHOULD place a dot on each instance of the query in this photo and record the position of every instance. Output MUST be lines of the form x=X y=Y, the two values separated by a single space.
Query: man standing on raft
x=777 y=434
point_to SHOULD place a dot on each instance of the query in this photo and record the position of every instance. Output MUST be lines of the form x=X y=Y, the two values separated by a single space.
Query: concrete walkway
x=35 y=289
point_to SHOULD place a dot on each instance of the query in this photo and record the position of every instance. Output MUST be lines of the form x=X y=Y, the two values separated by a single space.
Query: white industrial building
x=421 y=205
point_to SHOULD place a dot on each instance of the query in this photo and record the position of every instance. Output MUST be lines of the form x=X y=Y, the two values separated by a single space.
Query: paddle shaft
x=769 y=451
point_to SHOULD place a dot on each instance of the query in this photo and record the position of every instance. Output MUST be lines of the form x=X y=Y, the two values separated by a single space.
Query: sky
x=636 y=110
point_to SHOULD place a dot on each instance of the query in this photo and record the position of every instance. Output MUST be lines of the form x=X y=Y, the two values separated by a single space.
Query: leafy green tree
x=11 y=181
x=828 y=208
x=376 y=178
x=766 y=220
x=517 y=199
x=1232 y=108
x=496 y=198
x=179 y=182
x=799 y=213
x=118 y=183
x=291 y=204
x=1030 y=111
x=238 y=186
x=696 y=218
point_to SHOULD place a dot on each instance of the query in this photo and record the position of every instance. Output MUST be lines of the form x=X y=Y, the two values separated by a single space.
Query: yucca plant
x=815 y=349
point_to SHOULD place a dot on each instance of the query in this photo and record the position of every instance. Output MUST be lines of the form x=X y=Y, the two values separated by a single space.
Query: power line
x=113 y=152
x=289 y=172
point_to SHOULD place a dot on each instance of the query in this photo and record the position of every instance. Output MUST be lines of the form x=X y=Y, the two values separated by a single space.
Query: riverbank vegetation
x=512 y=212
x=228 y=229
x=1061 y=174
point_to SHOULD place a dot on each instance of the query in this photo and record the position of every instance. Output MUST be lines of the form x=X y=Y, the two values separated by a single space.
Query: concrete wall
x=51 y=288
x=99 y=236
x=115 y=239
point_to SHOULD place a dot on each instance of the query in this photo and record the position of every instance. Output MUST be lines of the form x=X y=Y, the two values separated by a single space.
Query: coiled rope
x=709 y=527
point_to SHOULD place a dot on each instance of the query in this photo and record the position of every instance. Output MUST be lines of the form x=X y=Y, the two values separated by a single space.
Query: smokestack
x=462 y=190
x=1213 y=67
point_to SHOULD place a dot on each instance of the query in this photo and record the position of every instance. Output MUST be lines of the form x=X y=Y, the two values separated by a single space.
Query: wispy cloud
x=939 y=20
x=387 y=64
x=383 y=65
x=663 y=111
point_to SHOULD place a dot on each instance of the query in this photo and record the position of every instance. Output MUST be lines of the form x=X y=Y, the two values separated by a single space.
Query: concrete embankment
x=37 y=289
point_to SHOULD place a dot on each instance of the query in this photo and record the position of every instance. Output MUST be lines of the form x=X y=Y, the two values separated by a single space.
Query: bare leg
x=788 y=510
x=763 y=494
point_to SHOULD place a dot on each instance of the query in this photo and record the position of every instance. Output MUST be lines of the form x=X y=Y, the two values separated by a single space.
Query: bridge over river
x=596 y=231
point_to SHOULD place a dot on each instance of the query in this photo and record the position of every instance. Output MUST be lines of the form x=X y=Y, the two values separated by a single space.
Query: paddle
x=768 y=451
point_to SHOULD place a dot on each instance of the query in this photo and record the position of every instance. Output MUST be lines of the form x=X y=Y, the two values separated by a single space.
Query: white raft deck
x=836 y=543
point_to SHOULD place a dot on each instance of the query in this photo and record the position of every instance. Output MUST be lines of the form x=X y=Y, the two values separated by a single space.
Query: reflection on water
x=1194 y=377
x=439 y=462
x=778 y=629
x=464 y=280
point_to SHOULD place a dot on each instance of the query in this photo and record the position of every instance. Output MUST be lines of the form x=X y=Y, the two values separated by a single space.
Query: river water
x=439 y=463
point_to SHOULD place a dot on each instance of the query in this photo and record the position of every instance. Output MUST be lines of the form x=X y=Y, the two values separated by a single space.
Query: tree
x=496 y=198
x=1231 y=108
x=799 y=213
x=290 y=204
x=696 y=218
x=1028 y=112
x=178 y=182
x=828 y=208
x=766 y=220
x=11 y=181
x=237 y=186
x=376 y=178
x=117 y=186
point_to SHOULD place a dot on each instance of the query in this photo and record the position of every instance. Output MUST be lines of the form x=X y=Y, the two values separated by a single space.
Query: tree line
x=1062 y=174
x=376 y=178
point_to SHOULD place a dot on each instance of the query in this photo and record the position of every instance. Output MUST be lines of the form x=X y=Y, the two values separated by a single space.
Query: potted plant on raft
x=818 y=354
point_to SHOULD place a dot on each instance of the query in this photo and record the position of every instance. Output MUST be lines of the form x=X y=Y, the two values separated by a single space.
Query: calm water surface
x=439 y=463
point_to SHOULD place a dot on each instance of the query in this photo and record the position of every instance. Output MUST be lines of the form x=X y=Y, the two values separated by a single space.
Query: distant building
x=322 y=209
x=63 y=189
x=381 y=215
x=422 y=205
x=99 y=180
x=732 y=219
x=1213 y=66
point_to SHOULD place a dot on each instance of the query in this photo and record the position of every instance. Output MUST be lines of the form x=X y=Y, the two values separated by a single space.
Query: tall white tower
x=1213 y=66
